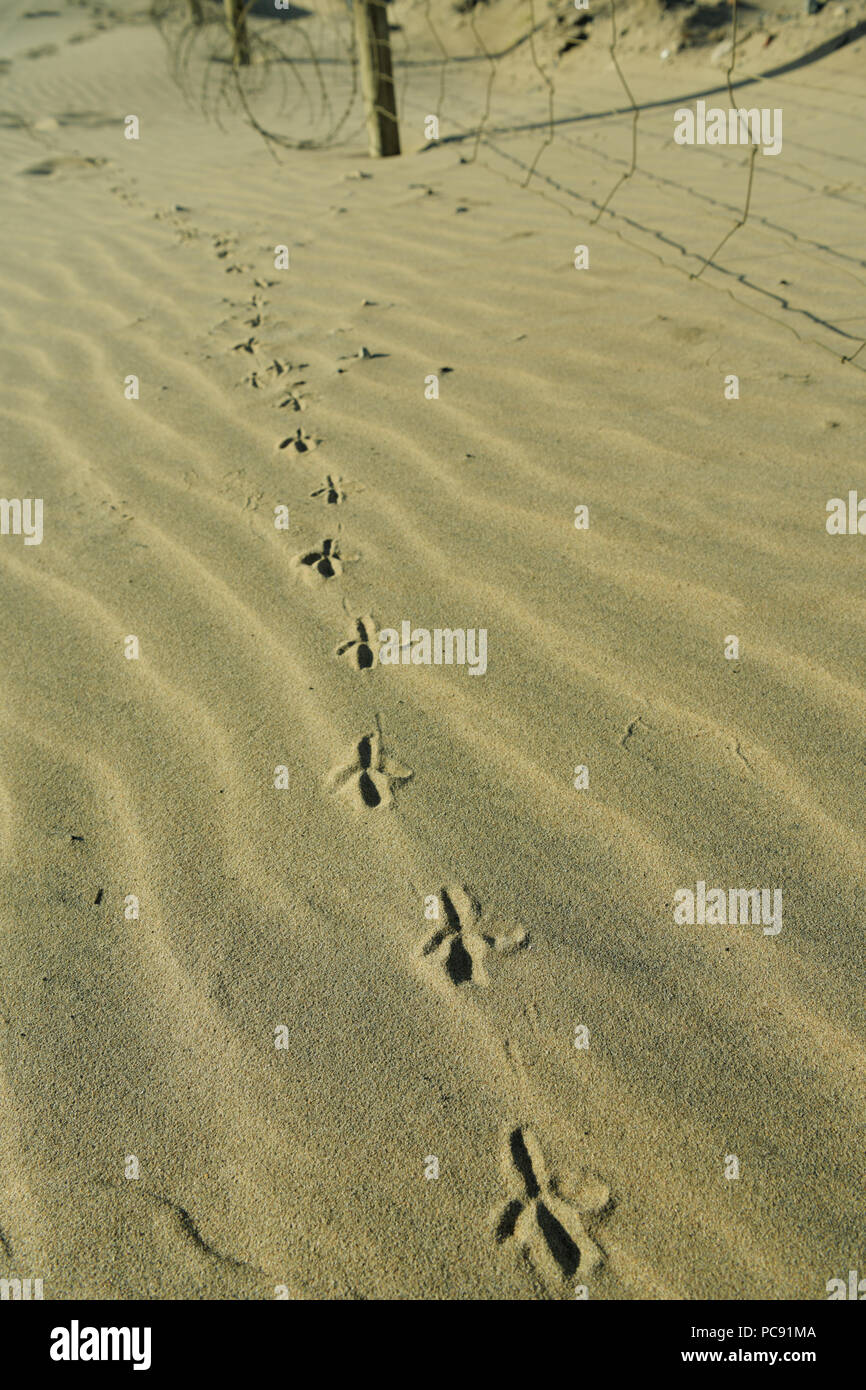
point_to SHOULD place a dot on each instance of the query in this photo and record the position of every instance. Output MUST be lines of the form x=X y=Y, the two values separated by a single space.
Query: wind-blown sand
x=303 y=908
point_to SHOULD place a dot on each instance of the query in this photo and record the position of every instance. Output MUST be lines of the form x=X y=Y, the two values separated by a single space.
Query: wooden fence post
x=377 y=81
x=236 y=19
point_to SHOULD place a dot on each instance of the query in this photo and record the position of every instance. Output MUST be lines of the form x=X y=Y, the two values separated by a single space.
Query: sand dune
x=287 y=1033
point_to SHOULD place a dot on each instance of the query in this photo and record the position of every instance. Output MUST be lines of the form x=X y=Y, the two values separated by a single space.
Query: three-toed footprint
x=317 y=566
x=548 y=1230
x=370 y=776
x=460 y=946
x=299 y=442
x=266 y=376
x=362 y=649
x=331 y=491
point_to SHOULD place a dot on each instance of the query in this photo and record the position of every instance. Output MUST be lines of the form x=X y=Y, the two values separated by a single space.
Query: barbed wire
x=209 y=38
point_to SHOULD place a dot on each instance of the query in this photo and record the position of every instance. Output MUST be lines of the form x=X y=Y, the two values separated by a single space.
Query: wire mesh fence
x=501 y=87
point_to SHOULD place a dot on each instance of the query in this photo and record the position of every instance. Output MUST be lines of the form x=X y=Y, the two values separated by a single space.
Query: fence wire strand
x=635 y=114
x=745 y=213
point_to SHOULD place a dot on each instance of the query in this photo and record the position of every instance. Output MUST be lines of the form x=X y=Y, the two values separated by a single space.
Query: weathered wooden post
x=377 y=80
x=236 y=19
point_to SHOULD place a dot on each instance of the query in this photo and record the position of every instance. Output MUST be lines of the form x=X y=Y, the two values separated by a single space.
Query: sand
x=239 y=1092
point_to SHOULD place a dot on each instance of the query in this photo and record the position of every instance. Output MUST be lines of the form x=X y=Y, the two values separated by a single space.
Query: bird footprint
x=317 y=566
x=331 y=490
x=362 y=649
x=461 y=945
x=370 y=776
x=548 y=1230
x=299 y=442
